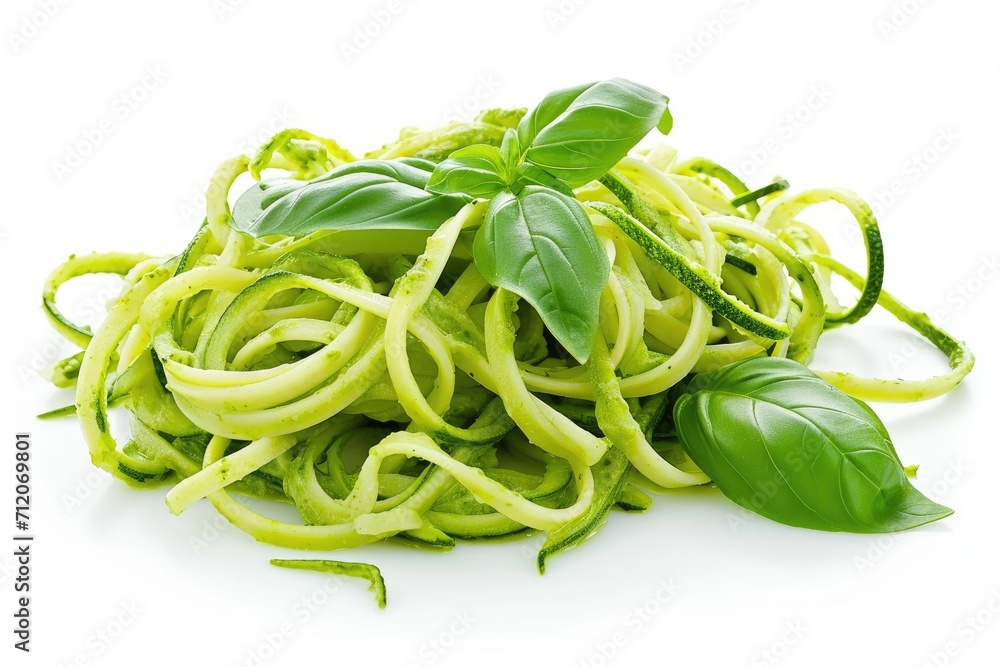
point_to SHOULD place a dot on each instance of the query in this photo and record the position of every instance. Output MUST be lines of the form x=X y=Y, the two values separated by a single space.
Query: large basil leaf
x=780 y=441
x=540 y=245
x=578 y=134
x=251 y=204
x=551 y=107
x=478 y=171
x=368 y=194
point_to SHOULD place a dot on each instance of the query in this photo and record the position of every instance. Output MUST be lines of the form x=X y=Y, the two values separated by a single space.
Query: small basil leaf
x=529 y=174
x=477 y=171
x=578 y=134
x=779 y=440
x=369 y=194
x=540 y=245
x=510 y=151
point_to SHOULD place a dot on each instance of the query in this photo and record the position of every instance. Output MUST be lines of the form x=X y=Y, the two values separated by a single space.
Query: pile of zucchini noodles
x=387 y=390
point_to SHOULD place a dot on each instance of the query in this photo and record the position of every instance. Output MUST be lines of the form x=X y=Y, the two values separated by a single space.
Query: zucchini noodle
x=381 y=386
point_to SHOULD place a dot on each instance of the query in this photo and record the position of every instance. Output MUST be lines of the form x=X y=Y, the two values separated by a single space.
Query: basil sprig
x=781 y=441
x=479 y=171
x=537 y=240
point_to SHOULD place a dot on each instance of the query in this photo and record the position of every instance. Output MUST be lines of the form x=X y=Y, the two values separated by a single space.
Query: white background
x=884 y=79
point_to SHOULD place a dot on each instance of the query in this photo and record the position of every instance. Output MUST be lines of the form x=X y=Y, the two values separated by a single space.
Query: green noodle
x=383 y=388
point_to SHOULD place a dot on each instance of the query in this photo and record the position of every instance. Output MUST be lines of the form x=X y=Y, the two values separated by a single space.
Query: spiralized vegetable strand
x=378 y=383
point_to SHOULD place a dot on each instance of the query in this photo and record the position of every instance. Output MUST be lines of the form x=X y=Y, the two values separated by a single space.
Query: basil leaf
x=551 y=107
x=510 y=151
x=410 y=170
x=420 y=163
x=477 y=171
x=258 y=197
x=780 y=441
x=578 y=134
x=368 y=194
x=540 y=245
